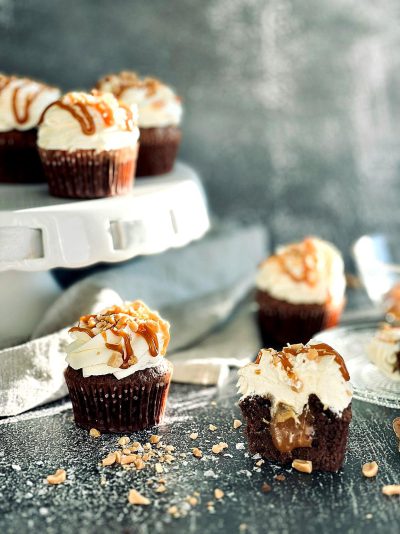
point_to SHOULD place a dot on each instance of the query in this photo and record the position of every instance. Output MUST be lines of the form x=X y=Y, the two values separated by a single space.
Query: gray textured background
x=292 y=108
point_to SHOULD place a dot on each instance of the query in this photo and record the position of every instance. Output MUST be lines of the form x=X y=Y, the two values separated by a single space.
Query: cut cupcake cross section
x=120 y=340
x=297 y=403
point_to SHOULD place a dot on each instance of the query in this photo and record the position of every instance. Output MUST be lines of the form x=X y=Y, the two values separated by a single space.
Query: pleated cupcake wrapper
x=19 y=157
x=120 y=406
x=282 y=322
x=158 y=150
x=88 y=173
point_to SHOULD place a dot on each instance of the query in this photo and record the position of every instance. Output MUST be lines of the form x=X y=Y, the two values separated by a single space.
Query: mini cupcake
x=160 y=112
x=117 y=376
x=300 y=291
x=384 y=351
x=88 y=144
x=22 y=102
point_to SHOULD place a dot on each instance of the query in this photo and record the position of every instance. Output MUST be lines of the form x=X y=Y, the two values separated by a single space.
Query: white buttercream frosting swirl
x=120 y=340
x=158 y=105
x=22 y=102
x=383 y=350
x=309 y=272
x=289 y=377
x=82 y=121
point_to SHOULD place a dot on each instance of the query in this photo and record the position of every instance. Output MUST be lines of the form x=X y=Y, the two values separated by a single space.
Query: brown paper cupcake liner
x=158 y=150
x=111 y=405
x=88 y=173
x=282 y=322
x=19 y=157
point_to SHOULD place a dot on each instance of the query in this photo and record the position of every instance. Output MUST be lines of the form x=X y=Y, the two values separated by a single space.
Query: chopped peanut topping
x=130 y=459
x=194 y=435
x=109 y=460
x=370 y=469
x=94 y=433
x=160 y=489
x=123 y=441
x=218 y=493
x=192 y=500
x=391 y=489
x=219 y=447
x=134 y=497
x=154 y=439
x=159 y=468
x=197 y=452
x=304 y=466
x=237 y=423
x=59 y=477
x=213 y=428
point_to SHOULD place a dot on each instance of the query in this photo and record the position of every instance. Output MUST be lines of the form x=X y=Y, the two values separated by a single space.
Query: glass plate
x=369 y=384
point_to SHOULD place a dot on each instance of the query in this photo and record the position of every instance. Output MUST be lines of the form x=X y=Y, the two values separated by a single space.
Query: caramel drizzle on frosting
x=79 y=109
x=306 y=253
x=22 y=118
x=317 y=351
x=127 y=80
x=138 y=318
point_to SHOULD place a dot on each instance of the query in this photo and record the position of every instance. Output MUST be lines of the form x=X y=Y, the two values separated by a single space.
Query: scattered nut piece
x=219 y=447
x=237 y=423
x=139 y=464
x=304 y=466
x=159 y=468
x=391 y=489
x=173 y=510
x=213 y=428
x=109 y=460
x=260 y=463
x=194 y=435
x=192 y=500
x=118 y=457
x=59 y=477
x=266 y=488
x=396 y=426
x=258 y=371
x=134 y=497
x=197 y=452
x=130 y=459
x=160 y=489
x=218 y=493
x=154 y=439
x=280 y=478
x=94 y=433
x=123 y=441
x=370 y=469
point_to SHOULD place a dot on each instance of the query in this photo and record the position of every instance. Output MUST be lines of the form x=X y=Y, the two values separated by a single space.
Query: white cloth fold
x=200 y=289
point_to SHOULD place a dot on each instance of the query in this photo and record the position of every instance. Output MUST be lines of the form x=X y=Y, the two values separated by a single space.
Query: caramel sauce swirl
x=87 y=331
x=124 y=80
x=305 y=255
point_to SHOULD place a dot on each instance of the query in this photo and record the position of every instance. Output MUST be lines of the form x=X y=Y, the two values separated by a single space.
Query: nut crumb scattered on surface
x=391 y=489
x=213 y=428
x=193 y=501
x=160 y=489
x=197 y=452
x=280 y=478
x=266 y=488
x=123 y=441
x=109 y=460
x=134 y=497
x=218 y=493
x=304 y=466
x=154 y=439
x=94 y=433
x=173 y=510
x=213 y=403
x=396 y=426
x=260 y=463
x=194 y=435
x=237 y=423
x=159 y=468
x=370 y=469
x=243 y=527
x=219 y=447
x=59 y=477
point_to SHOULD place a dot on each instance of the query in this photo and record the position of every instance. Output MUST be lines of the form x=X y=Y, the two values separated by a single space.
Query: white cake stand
x=39 y=232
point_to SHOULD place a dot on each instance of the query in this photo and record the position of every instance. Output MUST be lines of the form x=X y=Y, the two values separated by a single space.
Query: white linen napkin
x=202 y=290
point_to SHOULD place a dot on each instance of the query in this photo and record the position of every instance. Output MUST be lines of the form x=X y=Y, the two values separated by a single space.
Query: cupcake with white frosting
x=88 y=144
x=22 y=102
x=160 y=113
x=117 y=376
x=384 y=351
x=300 y=291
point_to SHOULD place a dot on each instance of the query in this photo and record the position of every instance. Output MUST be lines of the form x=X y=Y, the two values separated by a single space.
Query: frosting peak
x=157 y=103
x=311 y=271
x=119 y=340
x=290 y=376
x=22 y=102
x=88 y=121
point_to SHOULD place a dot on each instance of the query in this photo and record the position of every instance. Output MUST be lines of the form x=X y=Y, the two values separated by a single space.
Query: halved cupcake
x=297 y=405
x=22 y=102
x=160 y=113
x=117 y=376
x=300 y=291
x=88 y=144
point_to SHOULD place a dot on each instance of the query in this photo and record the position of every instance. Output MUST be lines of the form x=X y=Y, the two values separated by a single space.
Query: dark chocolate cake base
x=158 y=149
x=329 y=442
x=282 y=322
x=111 y=405
x=19 y=157
x=88 y=173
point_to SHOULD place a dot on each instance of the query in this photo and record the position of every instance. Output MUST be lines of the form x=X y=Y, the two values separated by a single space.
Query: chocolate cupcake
x=117 y=376
x=22 y=102
x=297 y=405
x=88 y=144
x=160 y=112
x=300 y=291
